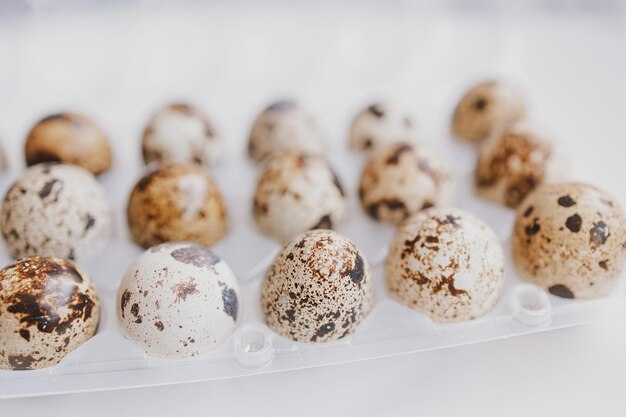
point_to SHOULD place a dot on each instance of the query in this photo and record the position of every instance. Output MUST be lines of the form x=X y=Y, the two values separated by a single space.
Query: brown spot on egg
x=528 y=211
x=124 y=301
x=159 y=325
x=356 y=271
x=21 y=362
x=400 y=149
x=566 y=201
x=323 y=331
x=574 y=223
x=195 y=255
x=376 y=110
x=47 y=188
x=604 y=264
x=25 y=334
x=393 y=204
x=598 y=234
x=561 y=290
x=533 y=228
x=184 y=289
x=325 y=222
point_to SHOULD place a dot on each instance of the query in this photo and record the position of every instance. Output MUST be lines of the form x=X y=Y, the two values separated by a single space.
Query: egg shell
x=379 y=124
x=178 y=300
x=570 y=239
x=56 y=210
x=180 y=133
x=296 y=193
x=318 y=288
x=69 y=138
x=515 y=161
x=48 y=308
x=176 y=203
x=486 y=108
x=401 y=179
x=284 y=126
x=447 y=264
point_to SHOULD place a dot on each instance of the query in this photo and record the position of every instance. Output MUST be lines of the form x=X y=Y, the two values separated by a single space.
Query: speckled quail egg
x=48 y=308
x=318 y=288
x=69 y=138
x=176 y=203
x=485 y=108
x=178 y=300
x=380 y=124
x=447 y=264
x=570 y=239
x=282 y=126
x=180 y=133
x=514 y=162
x=296 y=193
x=56 y=210
x=401 y=179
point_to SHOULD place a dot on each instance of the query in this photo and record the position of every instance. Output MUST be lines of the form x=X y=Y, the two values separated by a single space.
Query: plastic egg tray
x=120 y=78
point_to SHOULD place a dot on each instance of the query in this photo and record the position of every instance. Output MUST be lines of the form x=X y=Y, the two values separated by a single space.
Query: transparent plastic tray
x=119 y=64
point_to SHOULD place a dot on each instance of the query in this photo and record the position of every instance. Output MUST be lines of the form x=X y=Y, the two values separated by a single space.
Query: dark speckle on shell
x=574 y=223
x=598 y=234
x=356 y=272
x=231 y=302
x=566 y=201
x=561 y=291
x=195 y=255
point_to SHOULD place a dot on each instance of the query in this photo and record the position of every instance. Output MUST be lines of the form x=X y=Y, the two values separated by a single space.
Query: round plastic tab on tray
x=253 y=346
x=530 y=305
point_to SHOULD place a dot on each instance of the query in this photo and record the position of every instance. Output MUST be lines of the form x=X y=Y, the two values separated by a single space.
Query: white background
x=117 y=64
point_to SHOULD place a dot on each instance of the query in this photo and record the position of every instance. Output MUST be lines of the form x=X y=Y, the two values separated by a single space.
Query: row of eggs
x=569 y=238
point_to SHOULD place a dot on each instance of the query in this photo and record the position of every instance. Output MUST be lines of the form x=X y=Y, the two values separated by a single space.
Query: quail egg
x=401 y=179
x=69 y=138
x=176 y=203
x=296 y=193
x=514 y=162
x=178 y=300
x=48 y=308
x=447 y=264
x=485 y=108
x=318 y=288
x=180 y=133
x=55 y=210
x=570 y=239
x=380 y=124
x=284 y=126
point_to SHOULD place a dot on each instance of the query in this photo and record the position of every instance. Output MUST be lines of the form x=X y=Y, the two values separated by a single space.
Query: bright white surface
x=575 y=372
x=571 y=66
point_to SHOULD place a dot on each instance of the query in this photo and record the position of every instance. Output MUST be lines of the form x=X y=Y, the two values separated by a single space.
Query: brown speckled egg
x=447 y=264
x=176 y=203
x=296 y=193
x=178 y=300
x=486 y=108
x=56 y=210
x=570 y=239
x=283 y=126
x=180 y=133
x=380 y=124
x=318 y=289
x=69 y=138
x=513 y=163
x=401 y=179
x=48 y=308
